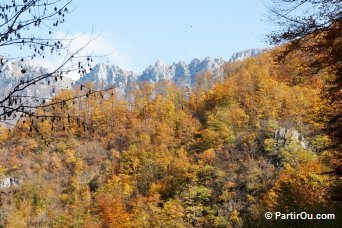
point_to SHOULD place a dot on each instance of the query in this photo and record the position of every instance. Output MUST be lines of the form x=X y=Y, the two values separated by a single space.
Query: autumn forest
x=264 y=137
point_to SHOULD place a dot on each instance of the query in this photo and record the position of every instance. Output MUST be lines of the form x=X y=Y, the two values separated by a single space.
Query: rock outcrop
x=284 y=136
x=8 y=182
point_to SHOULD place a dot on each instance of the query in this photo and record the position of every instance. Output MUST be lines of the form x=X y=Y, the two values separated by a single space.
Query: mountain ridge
x=105 y=75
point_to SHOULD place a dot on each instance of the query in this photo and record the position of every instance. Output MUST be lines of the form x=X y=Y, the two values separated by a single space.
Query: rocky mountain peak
x=12 y=72
x=238 y=56
x=106 y=75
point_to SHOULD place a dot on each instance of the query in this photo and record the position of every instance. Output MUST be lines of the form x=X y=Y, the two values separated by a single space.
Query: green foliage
x=60 y=147
x=269 y=145
x=2 y=171
x=195 y=201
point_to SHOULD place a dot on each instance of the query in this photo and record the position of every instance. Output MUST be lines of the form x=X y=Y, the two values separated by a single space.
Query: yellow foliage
x=113 y=212
x=3 y=134
x=169 y=156
x=207 y=157
x=304 y=183
x=235 y=218
x=70 y=156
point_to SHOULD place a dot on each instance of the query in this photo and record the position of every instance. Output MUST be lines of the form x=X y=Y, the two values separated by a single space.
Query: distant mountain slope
x=11 y=73
x=181 y=73
x=105 y=75
x=238 y=56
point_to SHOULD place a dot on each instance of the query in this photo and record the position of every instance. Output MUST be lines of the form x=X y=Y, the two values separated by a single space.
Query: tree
x=313 y=26
x=312 y=29
x=20 y=24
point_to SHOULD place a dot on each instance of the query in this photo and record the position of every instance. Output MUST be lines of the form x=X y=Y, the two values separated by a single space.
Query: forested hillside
x=220 y=155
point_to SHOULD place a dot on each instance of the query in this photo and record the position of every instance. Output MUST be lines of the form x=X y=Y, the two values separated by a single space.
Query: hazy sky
x=138 y=33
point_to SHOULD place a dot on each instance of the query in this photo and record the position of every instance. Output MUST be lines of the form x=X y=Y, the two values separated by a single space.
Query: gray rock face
x=180 y=73
x=8 y=182
x=11 y=73
x=104 y=75
x=284 y=137
x=238 y=56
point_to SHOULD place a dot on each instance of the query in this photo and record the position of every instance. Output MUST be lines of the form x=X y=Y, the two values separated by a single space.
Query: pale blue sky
x=141 y=32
